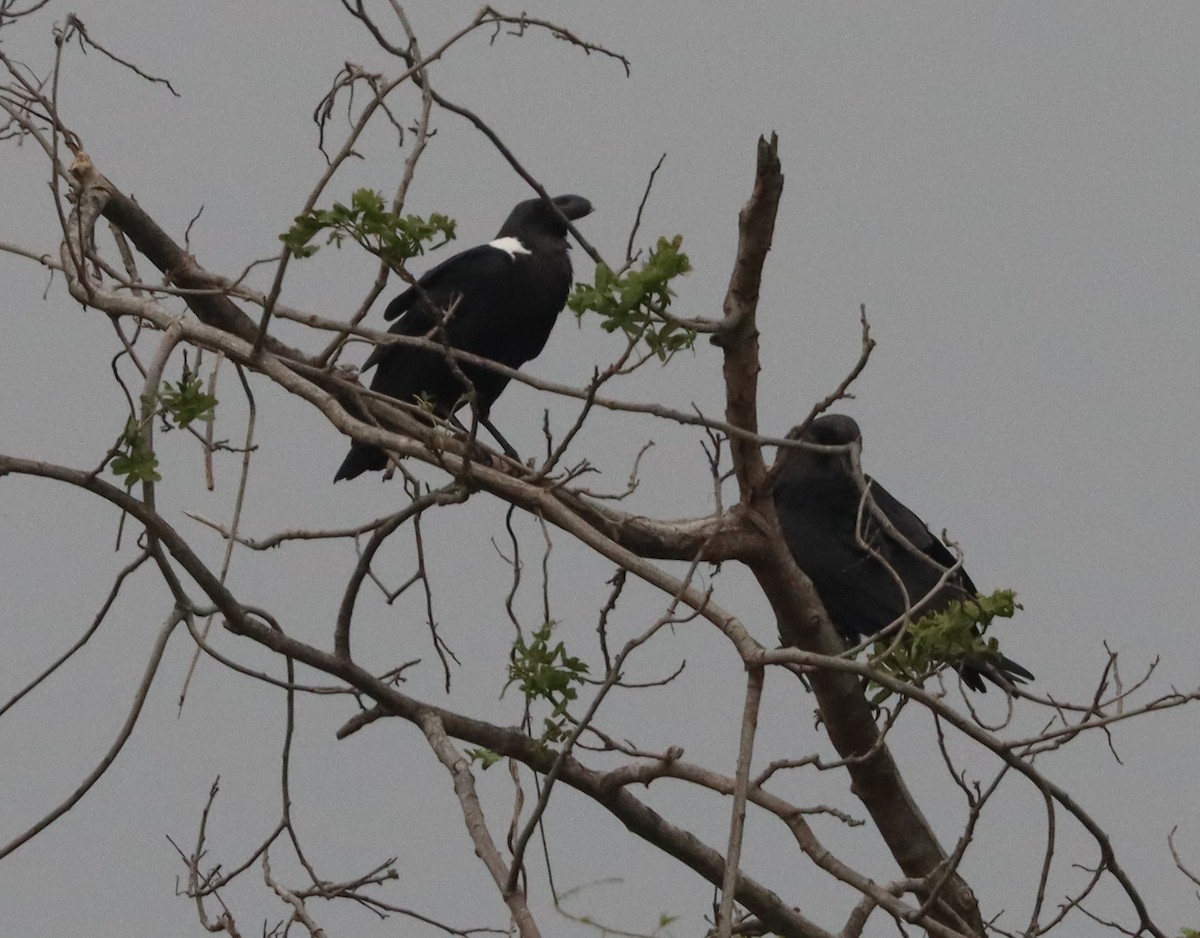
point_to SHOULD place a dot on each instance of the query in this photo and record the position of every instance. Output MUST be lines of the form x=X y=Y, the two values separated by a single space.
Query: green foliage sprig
x=368 y=222
x=179 y=404
x=634 y=301
x=185 y=401
x=543 y=670
x=136 y=461
x=952 y=636
x=486 y=758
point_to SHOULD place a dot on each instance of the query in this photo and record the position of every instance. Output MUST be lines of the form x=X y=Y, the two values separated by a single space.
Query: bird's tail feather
x=361 y=459
x=1001 y=671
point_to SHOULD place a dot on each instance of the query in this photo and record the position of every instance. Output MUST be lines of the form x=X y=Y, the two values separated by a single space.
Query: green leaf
x=542 y=670
x=951 y=636
x=485 y=757
x=368 y=222
x=136 y=462
x=636 y=300
x=185 y=402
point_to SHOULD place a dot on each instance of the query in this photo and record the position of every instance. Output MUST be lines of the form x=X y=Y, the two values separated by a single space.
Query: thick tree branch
x=180 y=268
x=739 y=330
x=801 y=618
x=512 y=743
x=223 y=327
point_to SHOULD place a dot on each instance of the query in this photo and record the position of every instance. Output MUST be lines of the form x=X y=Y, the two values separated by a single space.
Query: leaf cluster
x=952 y=636
x=368 y=222
x=486 y=758
x=135 y=461
x=184 y=402
x=542 y=670
x=635 y=301
x=179 y=404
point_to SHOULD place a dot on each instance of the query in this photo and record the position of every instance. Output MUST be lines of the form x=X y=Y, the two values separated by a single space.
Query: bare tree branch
x=114 y=750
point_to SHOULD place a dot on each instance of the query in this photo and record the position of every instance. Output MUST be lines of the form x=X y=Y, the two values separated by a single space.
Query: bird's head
x=837 y=432
x=833 y=430
x=534 y=216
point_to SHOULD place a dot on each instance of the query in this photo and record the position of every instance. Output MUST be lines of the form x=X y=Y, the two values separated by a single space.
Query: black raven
x=826 y=521
x=498 y=300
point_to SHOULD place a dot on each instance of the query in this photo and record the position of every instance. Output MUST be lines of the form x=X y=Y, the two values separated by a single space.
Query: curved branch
x=114 y=750
x=485 y=846
x=452 y=494
x=83 y=639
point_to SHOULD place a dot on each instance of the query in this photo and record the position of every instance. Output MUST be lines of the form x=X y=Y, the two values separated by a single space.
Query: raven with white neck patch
x=870 y=558
x=498 y=300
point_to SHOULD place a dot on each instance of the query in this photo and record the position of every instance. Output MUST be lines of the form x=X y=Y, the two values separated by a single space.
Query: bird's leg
x=496 y=435
x=499 y=438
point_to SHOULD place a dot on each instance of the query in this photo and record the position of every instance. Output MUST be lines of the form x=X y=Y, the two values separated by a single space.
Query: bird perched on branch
x=498 y=300
x=871 y=559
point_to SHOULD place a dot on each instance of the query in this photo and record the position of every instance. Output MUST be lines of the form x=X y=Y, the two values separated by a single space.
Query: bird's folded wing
x=906 y=522
x=476 y=270
x=475 y=267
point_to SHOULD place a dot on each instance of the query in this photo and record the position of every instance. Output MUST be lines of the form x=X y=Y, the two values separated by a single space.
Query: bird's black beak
x=573 y=207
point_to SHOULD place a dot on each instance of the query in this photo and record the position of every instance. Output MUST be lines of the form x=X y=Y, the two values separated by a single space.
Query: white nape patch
x=510 y=246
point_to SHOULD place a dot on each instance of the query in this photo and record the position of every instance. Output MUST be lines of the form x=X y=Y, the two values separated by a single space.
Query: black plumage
x=498 y=300
x=820 y=504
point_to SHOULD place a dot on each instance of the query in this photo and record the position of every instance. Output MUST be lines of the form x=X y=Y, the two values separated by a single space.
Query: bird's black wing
x=476 y=269
x=997 y=668
x=477 y=265
x=820 y=527
x=915 y=531
x=417 y=321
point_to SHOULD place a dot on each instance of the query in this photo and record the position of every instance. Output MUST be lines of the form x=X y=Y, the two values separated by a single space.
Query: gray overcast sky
x=1012 y=190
